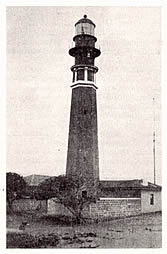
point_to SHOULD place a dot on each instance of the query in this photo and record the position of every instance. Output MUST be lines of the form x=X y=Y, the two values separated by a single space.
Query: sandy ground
x=143 y=231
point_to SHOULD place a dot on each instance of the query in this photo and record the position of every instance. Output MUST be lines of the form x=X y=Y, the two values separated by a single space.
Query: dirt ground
x=143 y=231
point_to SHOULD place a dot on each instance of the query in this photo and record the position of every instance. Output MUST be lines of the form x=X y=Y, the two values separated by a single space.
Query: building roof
x=85 y=20
x=152 y=186
x=120 y=183
x=35 y=180
x=134 y=184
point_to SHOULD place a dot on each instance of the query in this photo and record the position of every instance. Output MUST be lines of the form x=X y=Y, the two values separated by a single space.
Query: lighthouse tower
x=82 y=155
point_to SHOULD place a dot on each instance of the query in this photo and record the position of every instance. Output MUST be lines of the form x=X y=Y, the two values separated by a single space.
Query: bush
x=24 y=240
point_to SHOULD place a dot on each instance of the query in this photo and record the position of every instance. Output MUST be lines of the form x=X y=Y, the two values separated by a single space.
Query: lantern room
x=84 y=26
x=84 y=52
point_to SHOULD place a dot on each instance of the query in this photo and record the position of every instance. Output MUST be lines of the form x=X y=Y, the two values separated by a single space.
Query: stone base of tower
x=82 y=155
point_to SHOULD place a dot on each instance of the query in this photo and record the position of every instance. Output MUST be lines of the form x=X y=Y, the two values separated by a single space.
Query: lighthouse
x=82 y=154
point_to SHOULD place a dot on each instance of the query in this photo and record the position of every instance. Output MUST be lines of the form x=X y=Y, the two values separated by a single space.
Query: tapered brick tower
x=82 y=155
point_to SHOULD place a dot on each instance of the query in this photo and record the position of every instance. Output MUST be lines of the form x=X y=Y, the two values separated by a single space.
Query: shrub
x=25 y=240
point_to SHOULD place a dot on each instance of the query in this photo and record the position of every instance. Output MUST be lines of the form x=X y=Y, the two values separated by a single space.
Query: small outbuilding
x=119 y=198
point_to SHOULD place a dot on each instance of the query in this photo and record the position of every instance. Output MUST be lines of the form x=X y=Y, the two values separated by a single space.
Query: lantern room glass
x=84 y=28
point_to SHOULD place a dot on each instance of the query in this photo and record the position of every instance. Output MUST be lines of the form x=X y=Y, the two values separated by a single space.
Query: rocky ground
x=143 y=231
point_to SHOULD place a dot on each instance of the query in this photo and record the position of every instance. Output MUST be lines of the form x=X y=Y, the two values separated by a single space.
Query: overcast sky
x=39 y=93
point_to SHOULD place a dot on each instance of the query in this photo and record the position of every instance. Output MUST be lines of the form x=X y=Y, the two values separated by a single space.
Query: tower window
x=80 y=75
x=90 y=75
x=84 y=194
x=152 y=199
x=73 y=79
x=85 y=111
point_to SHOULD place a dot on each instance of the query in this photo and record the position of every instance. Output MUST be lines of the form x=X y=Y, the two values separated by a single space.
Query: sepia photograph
x=83 y=127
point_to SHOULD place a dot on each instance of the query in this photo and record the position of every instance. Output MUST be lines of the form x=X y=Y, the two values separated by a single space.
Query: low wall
x=55 y=208
x=107 y=207
x=29 y=205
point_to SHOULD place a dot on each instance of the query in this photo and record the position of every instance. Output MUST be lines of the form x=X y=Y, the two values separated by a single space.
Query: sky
x=39 y=93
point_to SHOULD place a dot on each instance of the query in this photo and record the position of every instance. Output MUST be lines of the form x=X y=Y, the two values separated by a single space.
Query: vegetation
x=25 y=240
x=67 y=191
x=15 y=185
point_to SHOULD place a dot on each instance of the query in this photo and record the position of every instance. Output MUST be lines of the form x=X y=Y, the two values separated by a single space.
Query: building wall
x=29 y=205
x=115 y=207
x=55 y=208
x=146 y=205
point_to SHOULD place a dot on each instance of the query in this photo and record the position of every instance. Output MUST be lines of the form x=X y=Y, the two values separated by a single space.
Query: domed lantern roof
x=85 y=20
x=84 y=26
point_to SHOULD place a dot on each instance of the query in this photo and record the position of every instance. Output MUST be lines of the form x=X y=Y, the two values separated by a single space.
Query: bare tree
x=70 y=192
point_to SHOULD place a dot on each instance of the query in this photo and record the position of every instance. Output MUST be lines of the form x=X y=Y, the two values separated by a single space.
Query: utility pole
x=154 y=139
